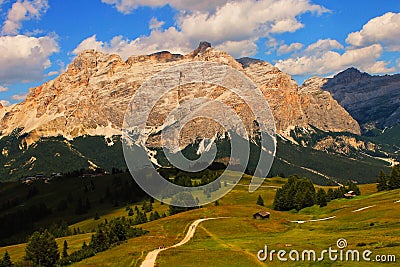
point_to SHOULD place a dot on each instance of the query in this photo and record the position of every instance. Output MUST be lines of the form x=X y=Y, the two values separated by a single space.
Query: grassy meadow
x=235 y=241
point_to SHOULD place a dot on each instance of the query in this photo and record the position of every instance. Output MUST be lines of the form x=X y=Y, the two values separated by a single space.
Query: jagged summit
x=90 y=98
x=203 y=45
x=374 y=101
x=247 y=61
x=350 y=75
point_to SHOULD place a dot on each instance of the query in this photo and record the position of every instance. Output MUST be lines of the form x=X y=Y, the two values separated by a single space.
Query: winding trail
x=364 y=208
x=315 y=220
x=261 y=186
x=151 y=257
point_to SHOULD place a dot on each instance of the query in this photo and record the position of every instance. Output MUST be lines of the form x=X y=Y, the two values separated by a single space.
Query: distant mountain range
x=75 y=120
x=374 y=101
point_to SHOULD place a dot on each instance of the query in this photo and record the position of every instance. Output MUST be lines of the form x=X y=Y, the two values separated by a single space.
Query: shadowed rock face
x=90 y=98
x=371 y=100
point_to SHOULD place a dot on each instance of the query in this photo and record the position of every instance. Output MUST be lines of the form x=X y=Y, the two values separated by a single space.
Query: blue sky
x=304 y=38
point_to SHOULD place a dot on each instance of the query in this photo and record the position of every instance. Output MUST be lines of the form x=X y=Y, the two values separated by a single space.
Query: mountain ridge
x=90 y=99
x=92 y=95
x=372 y=100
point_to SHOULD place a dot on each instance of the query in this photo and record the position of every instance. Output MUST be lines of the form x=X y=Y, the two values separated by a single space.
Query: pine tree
x=130 y=212
x=42 y=249
x=330 y=194
x=382 y=181
x=394 y=179
x=321 y=197
x=156 y=215
x=65 y=248
x=6 y=262
x=279 y=200
x=297 y=193
x=260 y=201
x=99 y=241
x=298 y=200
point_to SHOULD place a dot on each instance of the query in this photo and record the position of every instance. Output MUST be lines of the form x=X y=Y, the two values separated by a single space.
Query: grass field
x=235 y=241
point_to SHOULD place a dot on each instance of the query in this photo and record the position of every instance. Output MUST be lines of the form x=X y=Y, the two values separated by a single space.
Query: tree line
x=299 y=193
x=391 y=181
x=42 y=248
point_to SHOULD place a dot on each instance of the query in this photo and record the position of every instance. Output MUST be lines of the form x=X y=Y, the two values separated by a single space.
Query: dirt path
x=364 y=208
x=315 y=220
x=261 y=186
x=151 y=257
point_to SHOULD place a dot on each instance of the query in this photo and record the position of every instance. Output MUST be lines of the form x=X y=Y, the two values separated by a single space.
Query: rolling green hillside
x=28 y=207
x=370 y=221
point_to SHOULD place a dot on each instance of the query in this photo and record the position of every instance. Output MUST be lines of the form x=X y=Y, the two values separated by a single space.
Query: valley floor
x=370 y=221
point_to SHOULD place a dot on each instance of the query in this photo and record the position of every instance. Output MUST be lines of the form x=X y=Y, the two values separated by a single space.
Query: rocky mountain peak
x=202 y=47
x=90 y=98
x=247 y=61
x=374 y=101
x=350 y=75
x=313 y=84
x=88 y=60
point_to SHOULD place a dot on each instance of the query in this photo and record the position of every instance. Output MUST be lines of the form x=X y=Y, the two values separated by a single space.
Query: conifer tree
x=260 y=201
x=65 y=249
x=330 y=195
x=394 y=179
x=42 y=249
x=382 y=181
x=321 y=197
x=6 y=262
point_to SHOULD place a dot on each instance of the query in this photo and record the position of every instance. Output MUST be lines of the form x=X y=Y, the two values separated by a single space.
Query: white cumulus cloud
x=25 y=58
x=234 y=26
x=5 y=103
x=286 y=49
x=19 y=97
x=239 y=49
x=3 y=89
x=155 y=23
x=384 y=30
x=322 y=46
x=21 y=11
x=127 y=6
x=170 y=40
x=330 y=62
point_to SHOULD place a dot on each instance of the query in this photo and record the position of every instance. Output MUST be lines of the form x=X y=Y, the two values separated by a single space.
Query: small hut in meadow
x=350 y=194
x=261 y=215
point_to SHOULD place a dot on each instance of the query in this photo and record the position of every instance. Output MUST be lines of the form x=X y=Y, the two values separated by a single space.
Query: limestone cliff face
x=299 y=106
x=324 y=112
x=90 y=98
